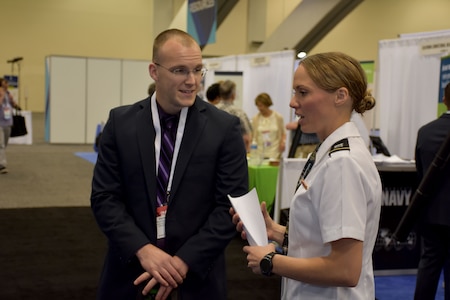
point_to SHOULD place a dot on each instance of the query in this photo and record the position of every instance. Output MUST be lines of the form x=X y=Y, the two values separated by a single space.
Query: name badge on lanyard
x=161 y=210
x=7 y=113
x=161 y=221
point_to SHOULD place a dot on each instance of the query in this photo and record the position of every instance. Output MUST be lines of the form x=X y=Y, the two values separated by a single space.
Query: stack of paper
x=249 y=210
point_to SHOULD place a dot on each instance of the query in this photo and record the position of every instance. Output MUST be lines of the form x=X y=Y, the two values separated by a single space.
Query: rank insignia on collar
x=339 y=145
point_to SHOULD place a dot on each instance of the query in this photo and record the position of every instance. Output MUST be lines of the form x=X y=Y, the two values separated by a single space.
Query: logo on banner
x=202 y=21
x=443 y=81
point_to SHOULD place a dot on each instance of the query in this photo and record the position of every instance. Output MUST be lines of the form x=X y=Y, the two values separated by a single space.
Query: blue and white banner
x=444 y=79
x=202 y=21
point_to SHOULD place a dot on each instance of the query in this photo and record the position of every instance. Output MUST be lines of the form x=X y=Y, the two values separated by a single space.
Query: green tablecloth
x=264 y=179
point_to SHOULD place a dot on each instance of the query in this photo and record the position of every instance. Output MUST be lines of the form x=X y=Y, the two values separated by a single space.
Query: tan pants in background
x=303 y=150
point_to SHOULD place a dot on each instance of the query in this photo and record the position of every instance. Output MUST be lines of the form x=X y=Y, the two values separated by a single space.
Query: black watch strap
x=266 y=264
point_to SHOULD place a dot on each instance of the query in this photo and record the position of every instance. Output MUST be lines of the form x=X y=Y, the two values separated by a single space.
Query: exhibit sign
x=13 y=83
x=444 y=79
x=369 y=69
x=202 y=21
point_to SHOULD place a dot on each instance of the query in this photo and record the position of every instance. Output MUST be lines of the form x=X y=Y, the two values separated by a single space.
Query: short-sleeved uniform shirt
x=342 y=200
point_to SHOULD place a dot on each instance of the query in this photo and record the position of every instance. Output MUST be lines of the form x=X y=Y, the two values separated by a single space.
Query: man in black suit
x=181 y=250
x=434 y=225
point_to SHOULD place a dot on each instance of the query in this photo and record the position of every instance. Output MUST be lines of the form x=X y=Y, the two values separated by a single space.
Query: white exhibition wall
x=81 y=91
x=270 y=72
x=66 y=100
x=407 y=90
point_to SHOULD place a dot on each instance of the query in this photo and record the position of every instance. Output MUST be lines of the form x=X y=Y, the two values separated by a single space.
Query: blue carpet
x=89 y=156
x=401 y=287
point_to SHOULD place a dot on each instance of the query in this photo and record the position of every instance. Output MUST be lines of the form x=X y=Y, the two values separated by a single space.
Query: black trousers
x=434 y=258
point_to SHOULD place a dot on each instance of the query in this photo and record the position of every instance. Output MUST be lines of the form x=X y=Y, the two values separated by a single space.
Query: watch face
x=266 y=265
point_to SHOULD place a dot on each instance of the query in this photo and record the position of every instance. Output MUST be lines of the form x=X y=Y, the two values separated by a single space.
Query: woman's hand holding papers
x=275 y=232
x=255 y=254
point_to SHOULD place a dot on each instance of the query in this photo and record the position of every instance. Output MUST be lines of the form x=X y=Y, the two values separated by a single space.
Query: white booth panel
x=270 y=73
x=218 y=64
x=103 y=92
x=135 y=80
x=288 y=174
x=67 y=105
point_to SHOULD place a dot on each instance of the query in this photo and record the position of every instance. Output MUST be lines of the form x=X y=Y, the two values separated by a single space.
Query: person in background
x=151 y=88
x=227 y=90
x=167 y=220
x=335 y=211
x=268 y=128
x=307 y=143
x=7 y=104
x=434 y=223
x=213 y=93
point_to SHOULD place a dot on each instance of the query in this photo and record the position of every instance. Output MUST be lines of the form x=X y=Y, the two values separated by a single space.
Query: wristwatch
x=266 y=265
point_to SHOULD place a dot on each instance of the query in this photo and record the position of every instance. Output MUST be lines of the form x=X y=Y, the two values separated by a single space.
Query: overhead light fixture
x=301 y=55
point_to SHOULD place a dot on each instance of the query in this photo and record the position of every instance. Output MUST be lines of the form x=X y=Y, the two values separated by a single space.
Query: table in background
x=399 y=182
x=290 y=170
x=264 y=178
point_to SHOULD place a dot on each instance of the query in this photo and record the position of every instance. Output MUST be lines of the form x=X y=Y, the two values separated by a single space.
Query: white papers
x=249 y=210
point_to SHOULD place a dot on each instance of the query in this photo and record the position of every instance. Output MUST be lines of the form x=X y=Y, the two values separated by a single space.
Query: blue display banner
x=444 y=79
x=13 y=81
x=202 y=21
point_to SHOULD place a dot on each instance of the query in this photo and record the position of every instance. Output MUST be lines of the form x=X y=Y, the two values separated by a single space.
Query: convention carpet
x=57 y=253
x=89 y=156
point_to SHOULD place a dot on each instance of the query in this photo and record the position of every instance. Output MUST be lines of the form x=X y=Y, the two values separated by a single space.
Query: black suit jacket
x=211 y=164
x=429 y=139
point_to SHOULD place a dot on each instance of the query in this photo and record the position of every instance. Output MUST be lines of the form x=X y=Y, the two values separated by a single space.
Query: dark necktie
x=306 y=169
x=165 y=163
x=165 y=157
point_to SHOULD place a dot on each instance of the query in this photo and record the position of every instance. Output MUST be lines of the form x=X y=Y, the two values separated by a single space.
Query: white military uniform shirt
x=342 y=200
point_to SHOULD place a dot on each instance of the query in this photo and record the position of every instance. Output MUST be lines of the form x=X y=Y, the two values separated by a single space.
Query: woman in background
x=268 y=128
x=7 y=104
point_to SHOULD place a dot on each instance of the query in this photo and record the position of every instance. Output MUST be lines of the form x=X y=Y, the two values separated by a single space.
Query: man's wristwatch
x=266 y=265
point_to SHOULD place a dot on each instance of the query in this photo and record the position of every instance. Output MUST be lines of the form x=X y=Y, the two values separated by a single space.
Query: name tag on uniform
x=161 y=221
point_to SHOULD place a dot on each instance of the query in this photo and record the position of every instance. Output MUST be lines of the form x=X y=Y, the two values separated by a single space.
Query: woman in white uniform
x=335 y=210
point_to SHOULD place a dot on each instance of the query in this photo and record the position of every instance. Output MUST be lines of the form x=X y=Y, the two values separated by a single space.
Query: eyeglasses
x=184 y=72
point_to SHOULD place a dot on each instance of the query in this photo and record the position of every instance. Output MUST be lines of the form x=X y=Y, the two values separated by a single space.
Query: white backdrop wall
x=270 y=72
x=407 y=91
x=66 y=100
x=82 y=90
x=224 y=63
x=273 y=76
x=103 y=91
